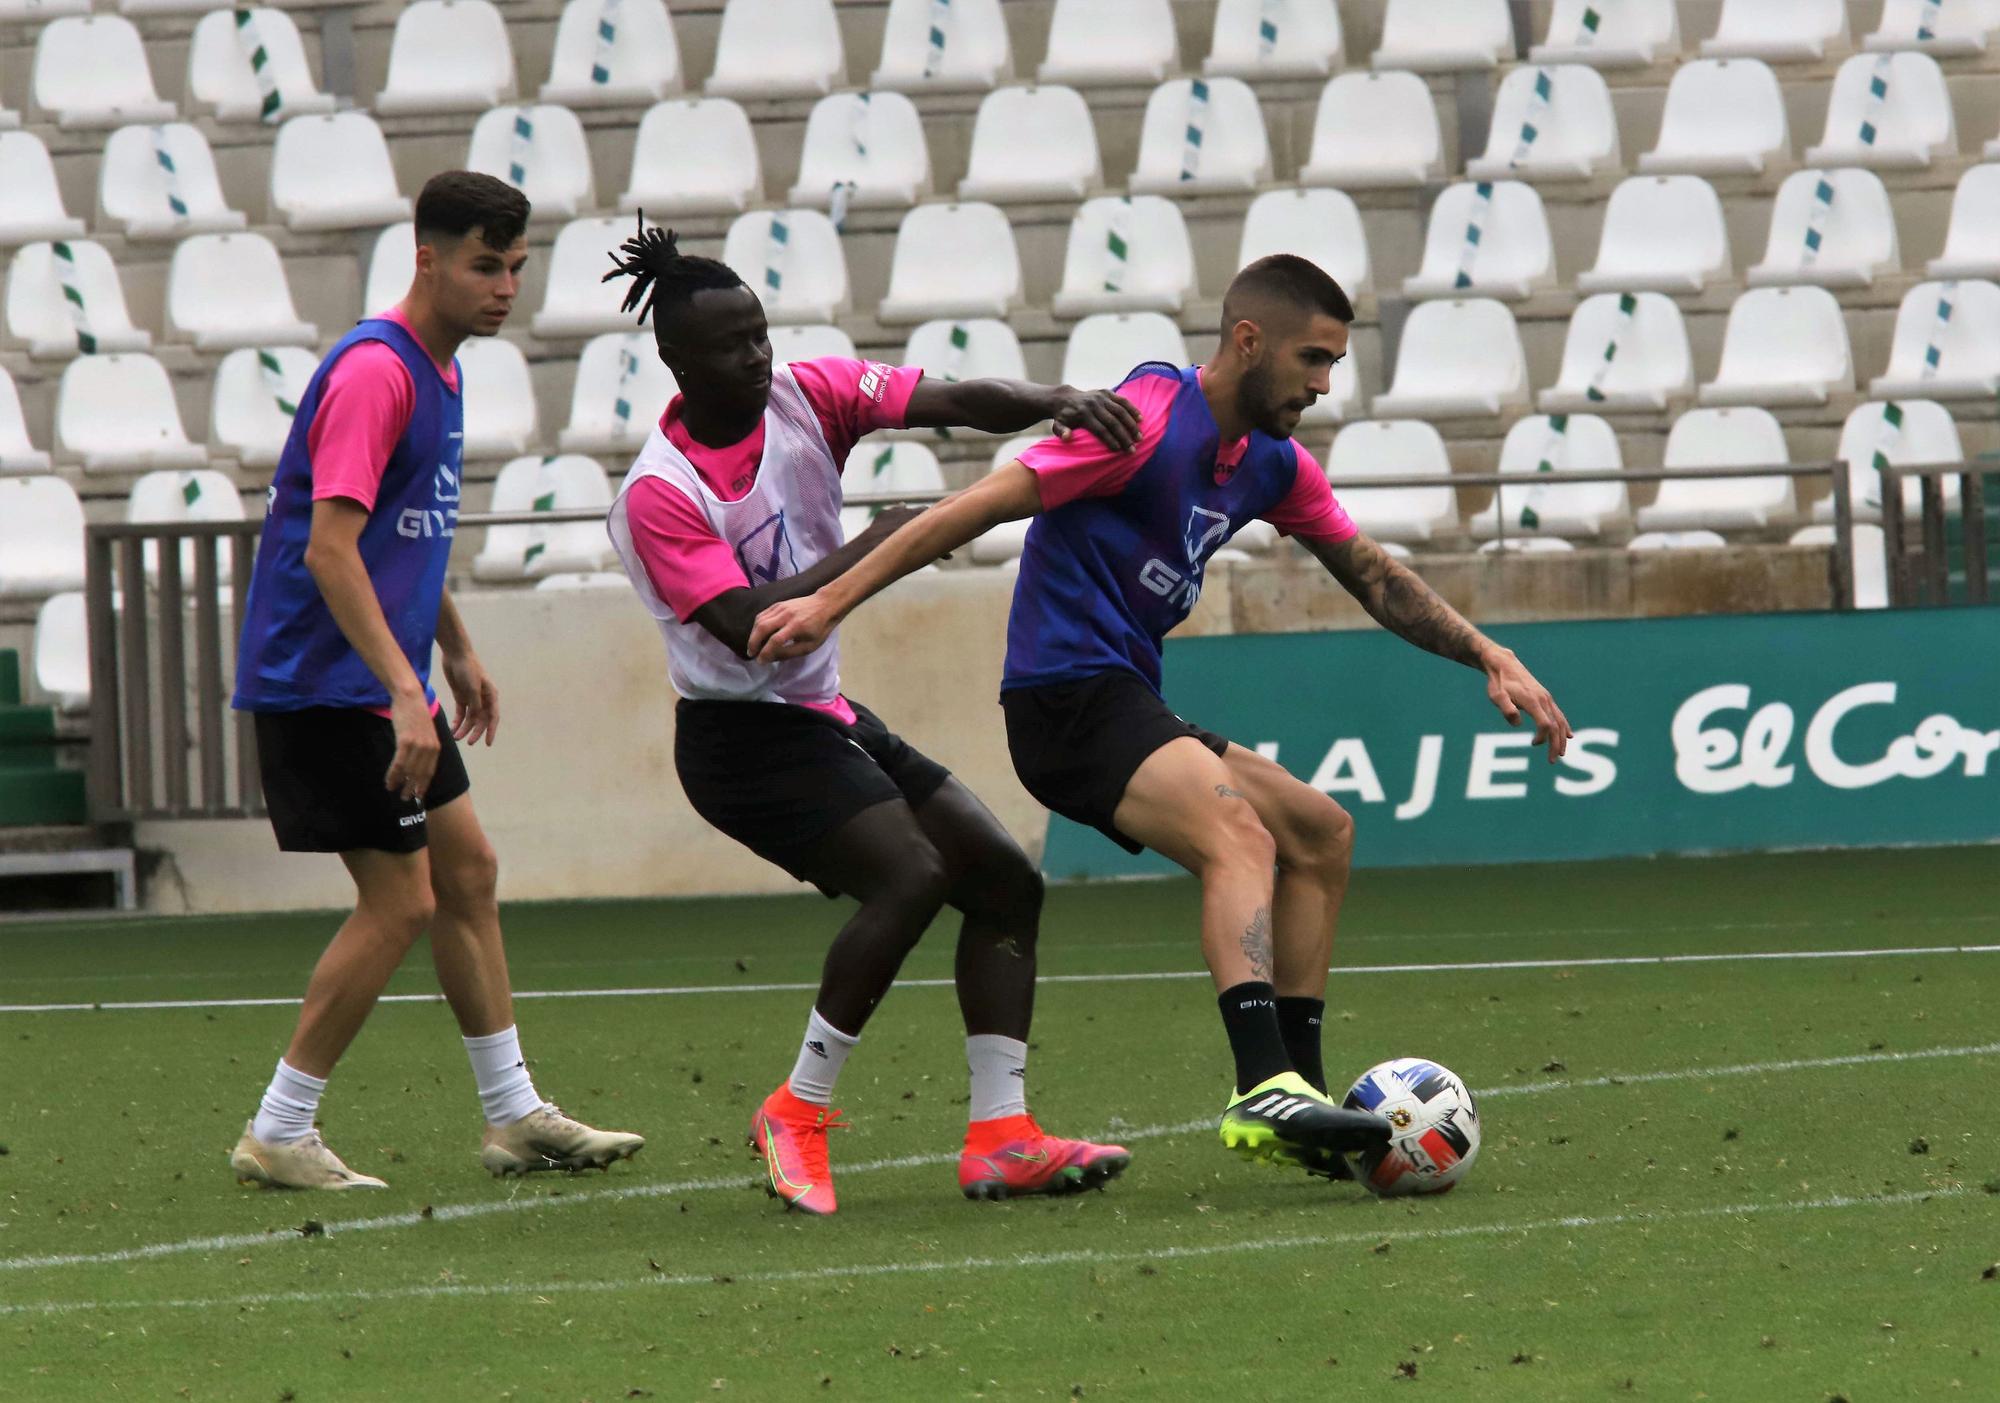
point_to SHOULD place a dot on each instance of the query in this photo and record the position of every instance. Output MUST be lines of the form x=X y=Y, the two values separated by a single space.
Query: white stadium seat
x=42 y=315
x=778 y=48
x=1908 y=431
x=1155 y=272
x=31 y=204
x=1443 y=36
x=540 y=150
x=1871 y=561
x=41 y=537
x=1032 y=143
x=1907 y=128
x=1722 y=438
x=333 y=172
x=135 y=188
x=500 y=416
x=1323 y=226
x=869 y=144
x=201 y=494
x=1650 y=367
x=989 y=349
x=226 y=291
x=392 y=265
x=1511 y=256
x=1723 y=116
x=792 y=259
x=1543 y=503
x=1457 y=359
x=875 y=465
x=448 y=56
x=1780 y=31
x=1527 y=545
x=535 y=551
x=1111 y=41
x=1936 y=354
x=612 y=54
x=62 y=651
x=1960 y=28
x=577 y=301
x=1575 y=129
x=1104 y=349
x=1623 y=34
x=90 y=71
x=952 y=260
x=959 y=47
x=790 y=343
x=1662 y=233
x=257 y=390
x=1232 y=155
x=1394 y=448
x=1782 y=346
x=221 y=78
x=1001 y=546
x=1677 y=540
x=1831 y=229
x=693 y=156
x=117 y=414
x=582 y=580
x=1274 y=39
x=1972 y=238
x=18 y=453
x=1373 y=130
x=622 y=388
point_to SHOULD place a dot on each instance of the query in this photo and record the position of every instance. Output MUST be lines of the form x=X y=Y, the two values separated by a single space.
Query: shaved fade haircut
x=454 y=203
x=1281 y=288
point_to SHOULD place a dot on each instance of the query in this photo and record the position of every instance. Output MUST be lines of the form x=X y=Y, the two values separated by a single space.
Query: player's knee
x=1240 y=840
x=919 y=884
x=401 y=915
x=469 y=882
x=1322 y=837
x=1004 y=888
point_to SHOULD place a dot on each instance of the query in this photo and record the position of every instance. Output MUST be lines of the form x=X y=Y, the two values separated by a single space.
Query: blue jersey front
x=292 y=653
x=1105 y=579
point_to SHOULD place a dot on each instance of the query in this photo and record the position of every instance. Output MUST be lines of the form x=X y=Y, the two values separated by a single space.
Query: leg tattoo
x=1257 y=944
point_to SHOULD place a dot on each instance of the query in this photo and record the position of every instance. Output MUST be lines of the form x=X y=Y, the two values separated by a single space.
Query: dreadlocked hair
x=662 y=276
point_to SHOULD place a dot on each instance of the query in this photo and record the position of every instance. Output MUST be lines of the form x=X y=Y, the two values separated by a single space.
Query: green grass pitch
x=1731 y=1178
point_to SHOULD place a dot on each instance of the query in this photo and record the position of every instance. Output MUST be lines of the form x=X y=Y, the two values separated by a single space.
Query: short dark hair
x=1286 y=279
x=454 y=203
x=664 y=278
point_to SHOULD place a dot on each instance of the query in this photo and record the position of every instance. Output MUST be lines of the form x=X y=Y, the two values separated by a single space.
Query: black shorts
x=322 y=769
x=1076 y=745
x=779 y=778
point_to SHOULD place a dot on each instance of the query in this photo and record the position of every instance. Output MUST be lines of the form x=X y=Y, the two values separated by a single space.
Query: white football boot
x=294 y=1164
x=545 y=1138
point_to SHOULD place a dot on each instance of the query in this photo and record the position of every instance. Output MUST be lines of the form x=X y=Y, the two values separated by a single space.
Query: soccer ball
x=1434 y=1127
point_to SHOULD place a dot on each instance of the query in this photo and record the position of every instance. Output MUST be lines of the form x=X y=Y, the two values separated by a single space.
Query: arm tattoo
x=1257 y=944
x=1399 y=600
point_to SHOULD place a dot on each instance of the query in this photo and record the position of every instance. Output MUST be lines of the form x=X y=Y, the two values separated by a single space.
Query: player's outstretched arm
x=1398 y=599
x=1009 y=406
x=731 y=614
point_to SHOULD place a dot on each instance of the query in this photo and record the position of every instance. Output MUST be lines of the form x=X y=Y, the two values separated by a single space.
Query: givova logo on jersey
x=1205 y=533
x=441 y=517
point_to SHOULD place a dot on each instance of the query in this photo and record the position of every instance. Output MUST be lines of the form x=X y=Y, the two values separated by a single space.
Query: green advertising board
x=1692 y=735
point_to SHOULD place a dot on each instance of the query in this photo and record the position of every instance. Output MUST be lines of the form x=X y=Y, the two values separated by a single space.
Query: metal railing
x=1921 y=574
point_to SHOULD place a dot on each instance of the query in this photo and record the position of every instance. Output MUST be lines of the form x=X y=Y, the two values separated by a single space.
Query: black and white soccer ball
x=1433 y=1127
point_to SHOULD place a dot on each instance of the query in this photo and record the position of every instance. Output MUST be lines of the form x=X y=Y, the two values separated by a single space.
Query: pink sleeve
x=854 y=397
x=1309 y=509
x=363 y=410
x=687 y=563
x=1081 y=465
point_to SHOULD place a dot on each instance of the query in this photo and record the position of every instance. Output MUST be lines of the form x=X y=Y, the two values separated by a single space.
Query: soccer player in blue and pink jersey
x=1113 y=562
x=346 y=600
x=734 y=503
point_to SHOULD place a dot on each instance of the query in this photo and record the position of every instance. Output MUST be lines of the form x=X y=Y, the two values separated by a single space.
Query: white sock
x=821 y=1056
x=289 y=1104
x=999 y=1076
x=506 y=1091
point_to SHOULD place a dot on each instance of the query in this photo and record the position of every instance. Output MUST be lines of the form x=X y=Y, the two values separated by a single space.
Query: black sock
x=1250 y=1017
x=1299 y=1022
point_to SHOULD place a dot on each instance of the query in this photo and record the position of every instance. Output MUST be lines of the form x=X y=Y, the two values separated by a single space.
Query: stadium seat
x=622 y=388
x=1032 y=143
x=31 y=203
x=199 y=495
x=577 y=301
x=1946 y=345
x=612 y=54
x=1126 y=254
x=1489 y=239
x=1202 y=136
x=1274 y=39
x=1611 y=366
x=1677 y=540
x=1527 y=545
x=1373 y=130
x=1871 y=560
x=18 y=453
x=62 y=651
x=875 y=466
x=1900 y=431
x=117 y=414
x=1955 y=28
x=1001 y=546
x=1574 y=130
x=1971 y=239
x=966 y=350
x=1779 y=31
x=1662 y=233
x=868 y=145
x=1544 y=503
x=541 y=151
x=1907 y=127
x=1625 y=34
x=582 y=580
x=223 y=70
x=952 y=260
x=227 y=291
x=1443 y=36
x=392 y=264
x=257 y=391
x=1103 y=349
x=1321 y=225
x=1457 y=358
x=693 y=156
x=792 y=259
x=333 y=172
x=778 y=48
x=529 y=552
x=57 y=324
x=500 y=416
x=160 y=183
x=1111 y=41
x=1394 y=448
x=90 y=71
x=1831 y=229
x=447 y=56
x=41 y=537
x=960 y=46
x=790 y=343
x=1723 y=116
x=1782 y=346
x=1722 y=438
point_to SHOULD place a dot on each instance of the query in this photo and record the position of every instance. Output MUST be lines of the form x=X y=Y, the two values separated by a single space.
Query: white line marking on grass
x=1024 y=1261
x=1143 y=976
